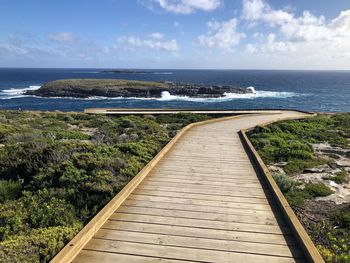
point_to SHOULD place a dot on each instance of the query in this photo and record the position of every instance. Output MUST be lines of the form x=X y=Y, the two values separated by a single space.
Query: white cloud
x=342 y=23
x=156 y=35
x=188 y=6
x=130 y=40
x=23 y=47
x=253 y=10
x=305 y=28
x=176 y=24
x=170 y=45
x=304 y=40
x=221 y=34
x=271 y=45
x=134 y=42
x=62 y=37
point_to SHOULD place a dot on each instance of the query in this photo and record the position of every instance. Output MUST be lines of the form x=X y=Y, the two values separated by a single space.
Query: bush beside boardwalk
x=314 y=182
x=59 y=169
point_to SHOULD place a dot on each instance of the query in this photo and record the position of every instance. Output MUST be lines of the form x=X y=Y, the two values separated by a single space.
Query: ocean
x=325 y=91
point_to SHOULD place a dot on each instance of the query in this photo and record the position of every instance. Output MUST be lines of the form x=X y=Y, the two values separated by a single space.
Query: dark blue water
x=305 y=90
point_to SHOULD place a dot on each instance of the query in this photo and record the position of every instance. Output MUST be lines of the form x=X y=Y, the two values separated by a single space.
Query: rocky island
x=127 y=71
x=84 y=88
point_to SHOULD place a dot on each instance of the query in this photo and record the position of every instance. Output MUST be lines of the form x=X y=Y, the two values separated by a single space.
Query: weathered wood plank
x=211 y=191
x=202 y=243
x=224 y=217
x=182 y=253
x=211 y=203
x=198 y=208
x=197 y=232
x=213 y=178
x=204 y=182
x=93 y=256
x=198 y=223
x=207 y=188
x=204 y=196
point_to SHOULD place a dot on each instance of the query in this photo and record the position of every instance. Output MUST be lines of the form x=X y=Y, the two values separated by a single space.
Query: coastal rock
x=85 y=88
x=327 y=149
x=319 y=169
x=275 y=169
x=281 y=164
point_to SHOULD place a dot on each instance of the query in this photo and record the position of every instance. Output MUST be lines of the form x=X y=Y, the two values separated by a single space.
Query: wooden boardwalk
x=203 y=202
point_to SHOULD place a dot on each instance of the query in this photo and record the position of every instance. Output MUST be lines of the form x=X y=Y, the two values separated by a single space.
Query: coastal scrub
x=59 y=169
x=288 y=148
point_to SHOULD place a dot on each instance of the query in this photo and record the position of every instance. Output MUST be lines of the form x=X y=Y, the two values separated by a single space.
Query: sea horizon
x=314 y=90
x=189 y=69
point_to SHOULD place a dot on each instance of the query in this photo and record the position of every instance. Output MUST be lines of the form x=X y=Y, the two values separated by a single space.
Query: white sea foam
x=87 y=72
x=17 y=92
x=166 y=96
x=162 y=73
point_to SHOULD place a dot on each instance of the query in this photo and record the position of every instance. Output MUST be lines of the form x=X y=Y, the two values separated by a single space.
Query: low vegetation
x=59 y=169
x=289 y=143
x=339 y=178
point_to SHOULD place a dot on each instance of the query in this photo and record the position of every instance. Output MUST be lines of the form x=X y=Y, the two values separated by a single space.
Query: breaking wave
x=166 y=96
x=16 y=92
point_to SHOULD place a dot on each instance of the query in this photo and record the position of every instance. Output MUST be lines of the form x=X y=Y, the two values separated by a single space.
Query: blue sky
x=214 y=34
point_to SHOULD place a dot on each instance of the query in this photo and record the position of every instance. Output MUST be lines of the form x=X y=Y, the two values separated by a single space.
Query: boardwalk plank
x=198 y=208
x=179 y=200
x=199 y=223
x=192 y=242
x=203 y=202
x=216 y=234
x=202 y=196
x=93 y=256
x=200 y=215
x=182 y=253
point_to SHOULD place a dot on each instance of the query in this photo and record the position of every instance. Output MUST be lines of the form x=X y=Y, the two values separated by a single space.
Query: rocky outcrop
x=338 y=162
x=84 y=88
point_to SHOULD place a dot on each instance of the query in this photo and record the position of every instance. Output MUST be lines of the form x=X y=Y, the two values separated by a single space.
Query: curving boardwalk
x=203 y=202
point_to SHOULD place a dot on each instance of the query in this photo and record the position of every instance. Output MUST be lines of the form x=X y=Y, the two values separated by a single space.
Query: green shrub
x=72 y=135
x=318 y=190
x=182 y=118
x=284 y=182
x=339 y=178
x=345 y=219
x=22 y=161
x=297 y=197
x=40 y=245
x=290 y=140
x=295 y=166
x=6 y=129
x=9 y=190
x=13 y=216
x=66 y=176
x=335 y=245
